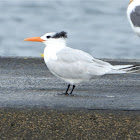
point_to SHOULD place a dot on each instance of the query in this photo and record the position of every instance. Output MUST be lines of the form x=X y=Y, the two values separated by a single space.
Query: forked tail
x=125 y=69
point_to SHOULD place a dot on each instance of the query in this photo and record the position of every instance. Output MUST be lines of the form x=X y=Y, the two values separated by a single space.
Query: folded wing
x=72 y=63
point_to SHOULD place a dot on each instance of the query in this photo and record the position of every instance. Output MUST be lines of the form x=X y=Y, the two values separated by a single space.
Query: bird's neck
x=56 y=44
x=52 y=47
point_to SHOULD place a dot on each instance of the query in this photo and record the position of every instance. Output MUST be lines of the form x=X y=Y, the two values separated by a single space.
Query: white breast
x=49 y=54
x=52 y=47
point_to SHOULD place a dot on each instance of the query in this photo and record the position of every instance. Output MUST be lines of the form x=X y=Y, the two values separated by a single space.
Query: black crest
x=60 y=35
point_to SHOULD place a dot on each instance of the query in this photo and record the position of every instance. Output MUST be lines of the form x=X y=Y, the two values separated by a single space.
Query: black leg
x=72 y=89
x=66 y=93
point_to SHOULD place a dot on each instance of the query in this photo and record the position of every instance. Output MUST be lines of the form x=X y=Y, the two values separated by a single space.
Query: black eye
x=48 y=36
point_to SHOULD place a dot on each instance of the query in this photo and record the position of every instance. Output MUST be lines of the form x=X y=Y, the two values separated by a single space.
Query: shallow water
x=99 y=27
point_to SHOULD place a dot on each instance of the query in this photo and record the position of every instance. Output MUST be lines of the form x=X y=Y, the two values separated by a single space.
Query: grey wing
x=70 y=55
x=77 y=64
x=135 y=16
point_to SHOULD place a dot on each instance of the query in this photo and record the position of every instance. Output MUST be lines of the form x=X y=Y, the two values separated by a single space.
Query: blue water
x=99 y=27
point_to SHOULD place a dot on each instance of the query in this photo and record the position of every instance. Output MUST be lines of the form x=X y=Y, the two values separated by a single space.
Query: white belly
x=50 y=55
x=71 y=81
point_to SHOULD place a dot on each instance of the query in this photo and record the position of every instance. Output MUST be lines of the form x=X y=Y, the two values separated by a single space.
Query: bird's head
x=50 y=38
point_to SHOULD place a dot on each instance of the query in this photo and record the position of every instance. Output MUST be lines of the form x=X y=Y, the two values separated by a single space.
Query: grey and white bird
x=72 y=65
x=133 y=14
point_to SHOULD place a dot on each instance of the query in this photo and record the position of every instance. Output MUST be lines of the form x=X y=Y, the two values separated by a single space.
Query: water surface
x=99 y=27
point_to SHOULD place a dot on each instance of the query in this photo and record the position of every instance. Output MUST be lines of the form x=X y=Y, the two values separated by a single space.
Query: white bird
x=133 y=14
x=72 y=65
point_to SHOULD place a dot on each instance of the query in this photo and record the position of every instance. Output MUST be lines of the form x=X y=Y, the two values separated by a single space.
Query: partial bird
x=72 y=65
x=133 y=14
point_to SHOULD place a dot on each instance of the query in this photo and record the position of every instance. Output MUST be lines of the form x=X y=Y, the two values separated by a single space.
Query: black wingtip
x=132 y=69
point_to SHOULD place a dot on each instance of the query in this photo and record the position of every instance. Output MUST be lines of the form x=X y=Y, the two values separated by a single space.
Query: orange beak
x=37 y=39
x=130 y=1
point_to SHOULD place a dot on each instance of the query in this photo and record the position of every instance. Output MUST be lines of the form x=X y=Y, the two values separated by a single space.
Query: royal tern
x=72 y=65
x=133 y=14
